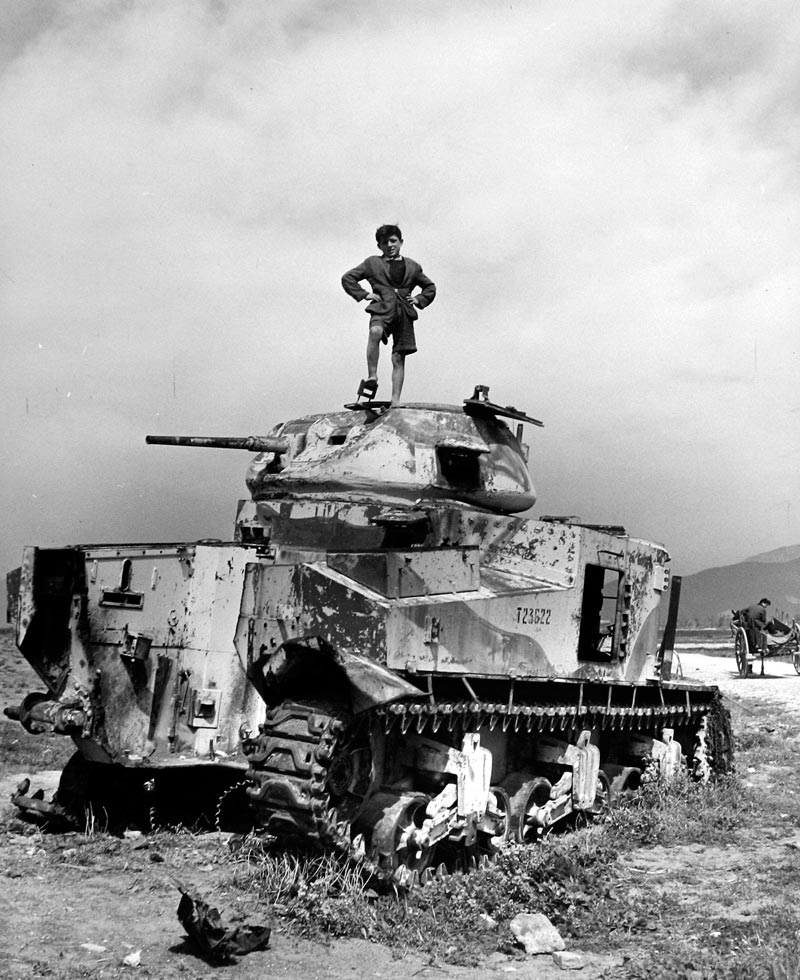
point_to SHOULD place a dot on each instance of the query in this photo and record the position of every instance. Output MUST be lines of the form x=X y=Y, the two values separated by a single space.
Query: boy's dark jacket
x=375 y=270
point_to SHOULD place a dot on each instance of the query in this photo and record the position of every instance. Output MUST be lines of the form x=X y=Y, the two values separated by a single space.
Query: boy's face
x=391 y=246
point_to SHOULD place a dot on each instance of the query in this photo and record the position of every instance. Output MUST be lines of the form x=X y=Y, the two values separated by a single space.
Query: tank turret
x=411 y=454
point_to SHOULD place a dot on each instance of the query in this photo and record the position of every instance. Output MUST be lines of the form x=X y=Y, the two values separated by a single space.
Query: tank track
x=290 y=759
x=537 y=718
x=714 y=744
x=289 y=766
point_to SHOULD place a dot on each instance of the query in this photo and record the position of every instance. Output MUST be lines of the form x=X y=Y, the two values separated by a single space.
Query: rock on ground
x=536 y=933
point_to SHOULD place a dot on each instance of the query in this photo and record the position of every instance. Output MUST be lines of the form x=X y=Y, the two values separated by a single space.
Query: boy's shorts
x=400 y=329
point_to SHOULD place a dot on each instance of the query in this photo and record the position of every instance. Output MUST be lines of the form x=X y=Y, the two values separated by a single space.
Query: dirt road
x=780 y=685
x=77 y=905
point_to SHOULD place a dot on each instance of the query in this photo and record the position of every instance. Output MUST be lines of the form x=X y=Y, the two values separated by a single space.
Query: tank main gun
x=253 y=444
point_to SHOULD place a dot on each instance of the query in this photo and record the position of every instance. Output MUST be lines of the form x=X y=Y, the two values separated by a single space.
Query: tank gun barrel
x=253 y=444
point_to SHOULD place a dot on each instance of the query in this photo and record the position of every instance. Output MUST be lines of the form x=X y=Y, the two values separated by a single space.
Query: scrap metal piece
x=479 y=404
x=217 y=944
x=35 y=807
x=40 y=713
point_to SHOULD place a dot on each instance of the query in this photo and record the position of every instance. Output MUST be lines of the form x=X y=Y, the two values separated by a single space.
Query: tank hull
x=445 y=684
x=387 y=659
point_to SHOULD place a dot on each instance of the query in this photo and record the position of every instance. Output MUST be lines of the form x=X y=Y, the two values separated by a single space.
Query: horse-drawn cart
x=752 y=640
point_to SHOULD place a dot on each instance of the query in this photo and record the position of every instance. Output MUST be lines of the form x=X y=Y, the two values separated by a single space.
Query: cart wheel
x=796 y=662
x=742 y=653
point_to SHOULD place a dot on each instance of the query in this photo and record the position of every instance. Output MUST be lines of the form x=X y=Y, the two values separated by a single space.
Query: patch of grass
x=777 y=745
x=458 y=919
x=283 y=876
x=768 y=746
x=575 y=879
x=568 y=878
x=754 y=715
x=21 y=752
x=683 y=812
x=324 y=894
x=766 y=949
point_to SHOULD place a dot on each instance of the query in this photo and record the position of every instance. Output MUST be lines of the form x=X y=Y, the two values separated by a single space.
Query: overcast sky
x=606 y=194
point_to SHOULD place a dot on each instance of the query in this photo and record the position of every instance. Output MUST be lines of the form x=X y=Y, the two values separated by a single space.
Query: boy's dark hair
x=385 y=232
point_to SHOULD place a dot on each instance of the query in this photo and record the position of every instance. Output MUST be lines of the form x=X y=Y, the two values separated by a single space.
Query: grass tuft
x=683 y=812
x=21 y=752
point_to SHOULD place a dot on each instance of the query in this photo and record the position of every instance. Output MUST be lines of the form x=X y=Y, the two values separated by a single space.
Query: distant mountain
x=708 y=597
x=789 y=553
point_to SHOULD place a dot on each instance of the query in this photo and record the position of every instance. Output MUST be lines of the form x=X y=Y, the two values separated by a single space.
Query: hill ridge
x=787 y=553
x=707 y=597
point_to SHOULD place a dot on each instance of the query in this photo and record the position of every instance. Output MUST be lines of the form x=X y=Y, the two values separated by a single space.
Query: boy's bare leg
x=398 y=375
x=373 y=350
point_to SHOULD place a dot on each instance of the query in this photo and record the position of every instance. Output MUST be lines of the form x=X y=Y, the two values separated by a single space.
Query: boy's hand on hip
x=371 y=297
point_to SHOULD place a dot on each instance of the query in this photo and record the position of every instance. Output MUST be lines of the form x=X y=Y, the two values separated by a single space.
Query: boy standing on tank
x=392 y=306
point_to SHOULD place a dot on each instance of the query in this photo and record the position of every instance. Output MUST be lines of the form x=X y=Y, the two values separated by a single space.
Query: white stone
x=567 y=960
x=536 y=933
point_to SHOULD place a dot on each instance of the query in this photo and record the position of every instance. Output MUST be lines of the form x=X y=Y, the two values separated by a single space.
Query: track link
x=290 y=767
x=289 y=762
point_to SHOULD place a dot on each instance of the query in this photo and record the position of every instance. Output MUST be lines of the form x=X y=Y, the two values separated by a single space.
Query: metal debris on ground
x=216 y=943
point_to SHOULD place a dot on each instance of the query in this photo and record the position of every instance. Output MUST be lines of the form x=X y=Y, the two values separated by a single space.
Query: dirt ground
x=77 y=905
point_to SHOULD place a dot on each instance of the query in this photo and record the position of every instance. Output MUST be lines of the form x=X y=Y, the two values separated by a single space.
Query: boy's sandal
x=368 y=387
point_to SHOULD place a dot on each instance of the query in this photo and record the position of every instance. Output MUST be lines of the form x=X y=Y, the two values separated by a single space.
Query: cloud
x=605 y=196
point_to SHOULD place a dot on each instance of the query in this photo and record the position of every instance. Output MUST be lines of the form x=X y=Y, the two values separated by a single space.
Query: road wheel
x=525 y=805
x=602 y=799
x=494 y=829
x=397 y=845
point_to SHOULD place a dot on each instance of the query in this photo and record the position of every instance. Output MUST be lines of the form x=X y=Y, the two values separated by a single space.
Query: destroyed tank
x=389 y=659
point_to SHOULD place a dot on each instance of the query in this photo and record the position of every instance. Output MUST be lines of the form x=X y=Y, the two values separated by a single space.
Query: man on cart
x=758 y=635
x=755 y=623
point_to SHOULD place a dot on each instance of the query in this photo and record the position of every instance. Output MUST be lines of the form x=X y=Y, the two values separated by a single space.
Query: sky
x=606 y=194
